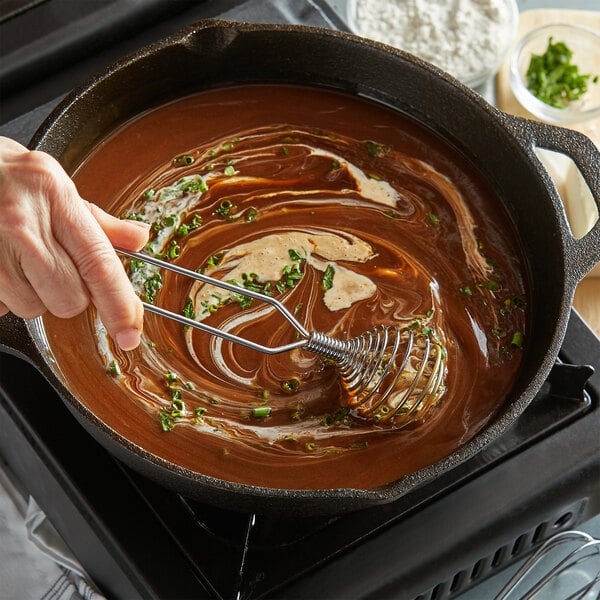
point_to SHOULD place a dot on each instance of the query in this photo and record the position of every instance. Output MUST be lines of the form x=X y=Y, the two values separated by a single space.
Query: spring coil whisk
x=390 y=373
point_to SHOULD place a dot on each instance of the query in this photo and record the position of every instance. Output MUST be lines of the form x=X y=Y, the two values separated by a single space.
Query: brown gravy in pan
x=349 y=213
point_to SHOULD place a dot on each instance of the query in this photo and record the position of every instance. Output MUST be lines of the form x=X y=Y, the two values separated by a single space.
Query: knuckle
x=18 y=297
x=46 y=175
x=98 y=265
x=27 y=308
x=66 y=307
x=39 y=163
x=15 y=221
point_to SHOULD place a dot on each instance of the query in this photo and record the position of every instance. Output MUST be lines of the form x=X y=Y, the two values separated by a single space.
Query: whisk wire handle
x=231 y=337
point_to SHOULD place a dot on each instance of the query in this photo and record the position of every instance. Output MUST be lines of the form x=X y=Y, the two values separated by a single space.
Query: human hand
x=57 y=249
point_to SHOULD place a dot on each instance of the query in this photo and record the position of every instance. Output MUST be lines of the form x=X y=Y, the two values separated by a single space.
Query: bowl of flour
x=467 y=38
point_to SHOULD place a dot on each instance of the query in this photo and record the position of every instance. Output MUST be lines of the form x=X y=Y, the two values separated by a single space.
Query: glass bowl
x=585 y=45
x=425 y=38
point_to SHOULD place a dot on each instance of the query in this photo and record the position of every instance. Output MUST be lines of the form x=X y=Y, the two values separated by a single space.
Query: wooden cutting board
x=587 y=296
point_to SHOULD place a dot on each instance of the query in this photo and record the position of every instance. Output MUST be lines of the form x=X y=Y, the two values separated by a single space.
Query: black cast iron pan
x=214 y=53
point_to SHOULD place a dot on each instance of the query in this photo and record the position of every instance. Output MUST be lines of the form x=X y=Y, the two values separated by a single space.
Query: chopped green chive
x=113 y=369
x=517 y=339
x=433 y=218
x=261 y=412
x=184 y=159
x=167 y=422
x=327 y=282
x=290 y=386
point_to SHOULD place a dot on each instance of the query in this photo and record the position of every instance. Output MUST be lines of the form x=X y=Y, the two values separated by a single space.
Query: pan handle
x=16 y=339
x=584 y=253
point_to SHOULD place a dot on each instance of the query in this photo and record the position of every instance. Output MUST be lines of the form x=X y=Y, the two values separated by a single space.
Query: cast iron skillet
x=215 y=53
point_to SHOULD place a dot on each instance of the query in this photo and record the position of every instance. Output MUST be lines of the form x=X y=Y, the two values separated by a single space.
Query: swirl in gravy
x=352 y=216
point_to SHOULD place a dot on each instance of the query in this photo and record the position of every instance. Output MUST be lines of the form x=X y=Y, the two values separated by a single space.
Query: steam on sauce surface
x=349 y=213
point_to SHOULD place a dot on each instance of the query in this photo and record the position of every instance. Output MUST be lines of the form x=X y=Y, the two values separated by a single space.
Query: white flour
x=463 y=37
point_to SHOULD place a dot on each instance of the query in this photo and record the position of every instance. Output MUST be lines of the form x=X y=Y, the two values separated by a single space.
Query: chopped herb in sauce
x=152 y=286
x=191 y=184
x=291 y=274
x=433 y=218
x=214 y=260
x=167 y=422
x=225 y=209
x=492 y=285
x=186 y=228
x=517 y=339
x=188 y=309
x=290 y=386
x=392 y=214
x=174 y=249
x=227 y=146
x=136 y=217
x=113 y=368
x=340 y=417
x=327 y=282
x=250 y=214
x=183 y=160
x=261 y=412
x=294 y=254
x=374 y=149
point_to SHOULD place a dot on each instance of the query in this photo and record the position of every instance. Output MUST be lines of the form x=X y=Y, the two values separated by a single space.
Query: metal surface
x=581 y=564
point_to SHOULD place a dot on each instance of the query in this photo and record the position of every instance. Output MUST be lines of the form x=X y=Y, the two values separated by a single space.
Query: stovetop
x=136 y=538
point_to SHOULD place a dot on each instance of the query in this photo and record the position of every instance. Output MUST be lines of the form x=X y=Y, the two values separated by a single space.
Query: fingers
x=119 y=308
x=57 y=249
x=35 y=273
x=53 y=278
x=80 y=230
x=131 y=235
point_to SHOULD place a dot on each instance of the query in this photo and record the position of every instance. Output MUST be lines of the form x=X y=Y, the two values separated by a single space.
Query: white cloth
x=35 y=562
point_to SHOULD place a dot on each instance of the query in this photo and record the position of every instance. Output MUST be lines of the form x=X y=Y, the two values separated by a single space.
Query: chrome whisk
x=391 y=374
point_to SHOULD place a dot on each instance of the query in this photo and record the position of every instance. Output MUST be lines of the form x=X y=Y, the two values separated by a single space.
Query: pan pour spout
x=392 y=375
